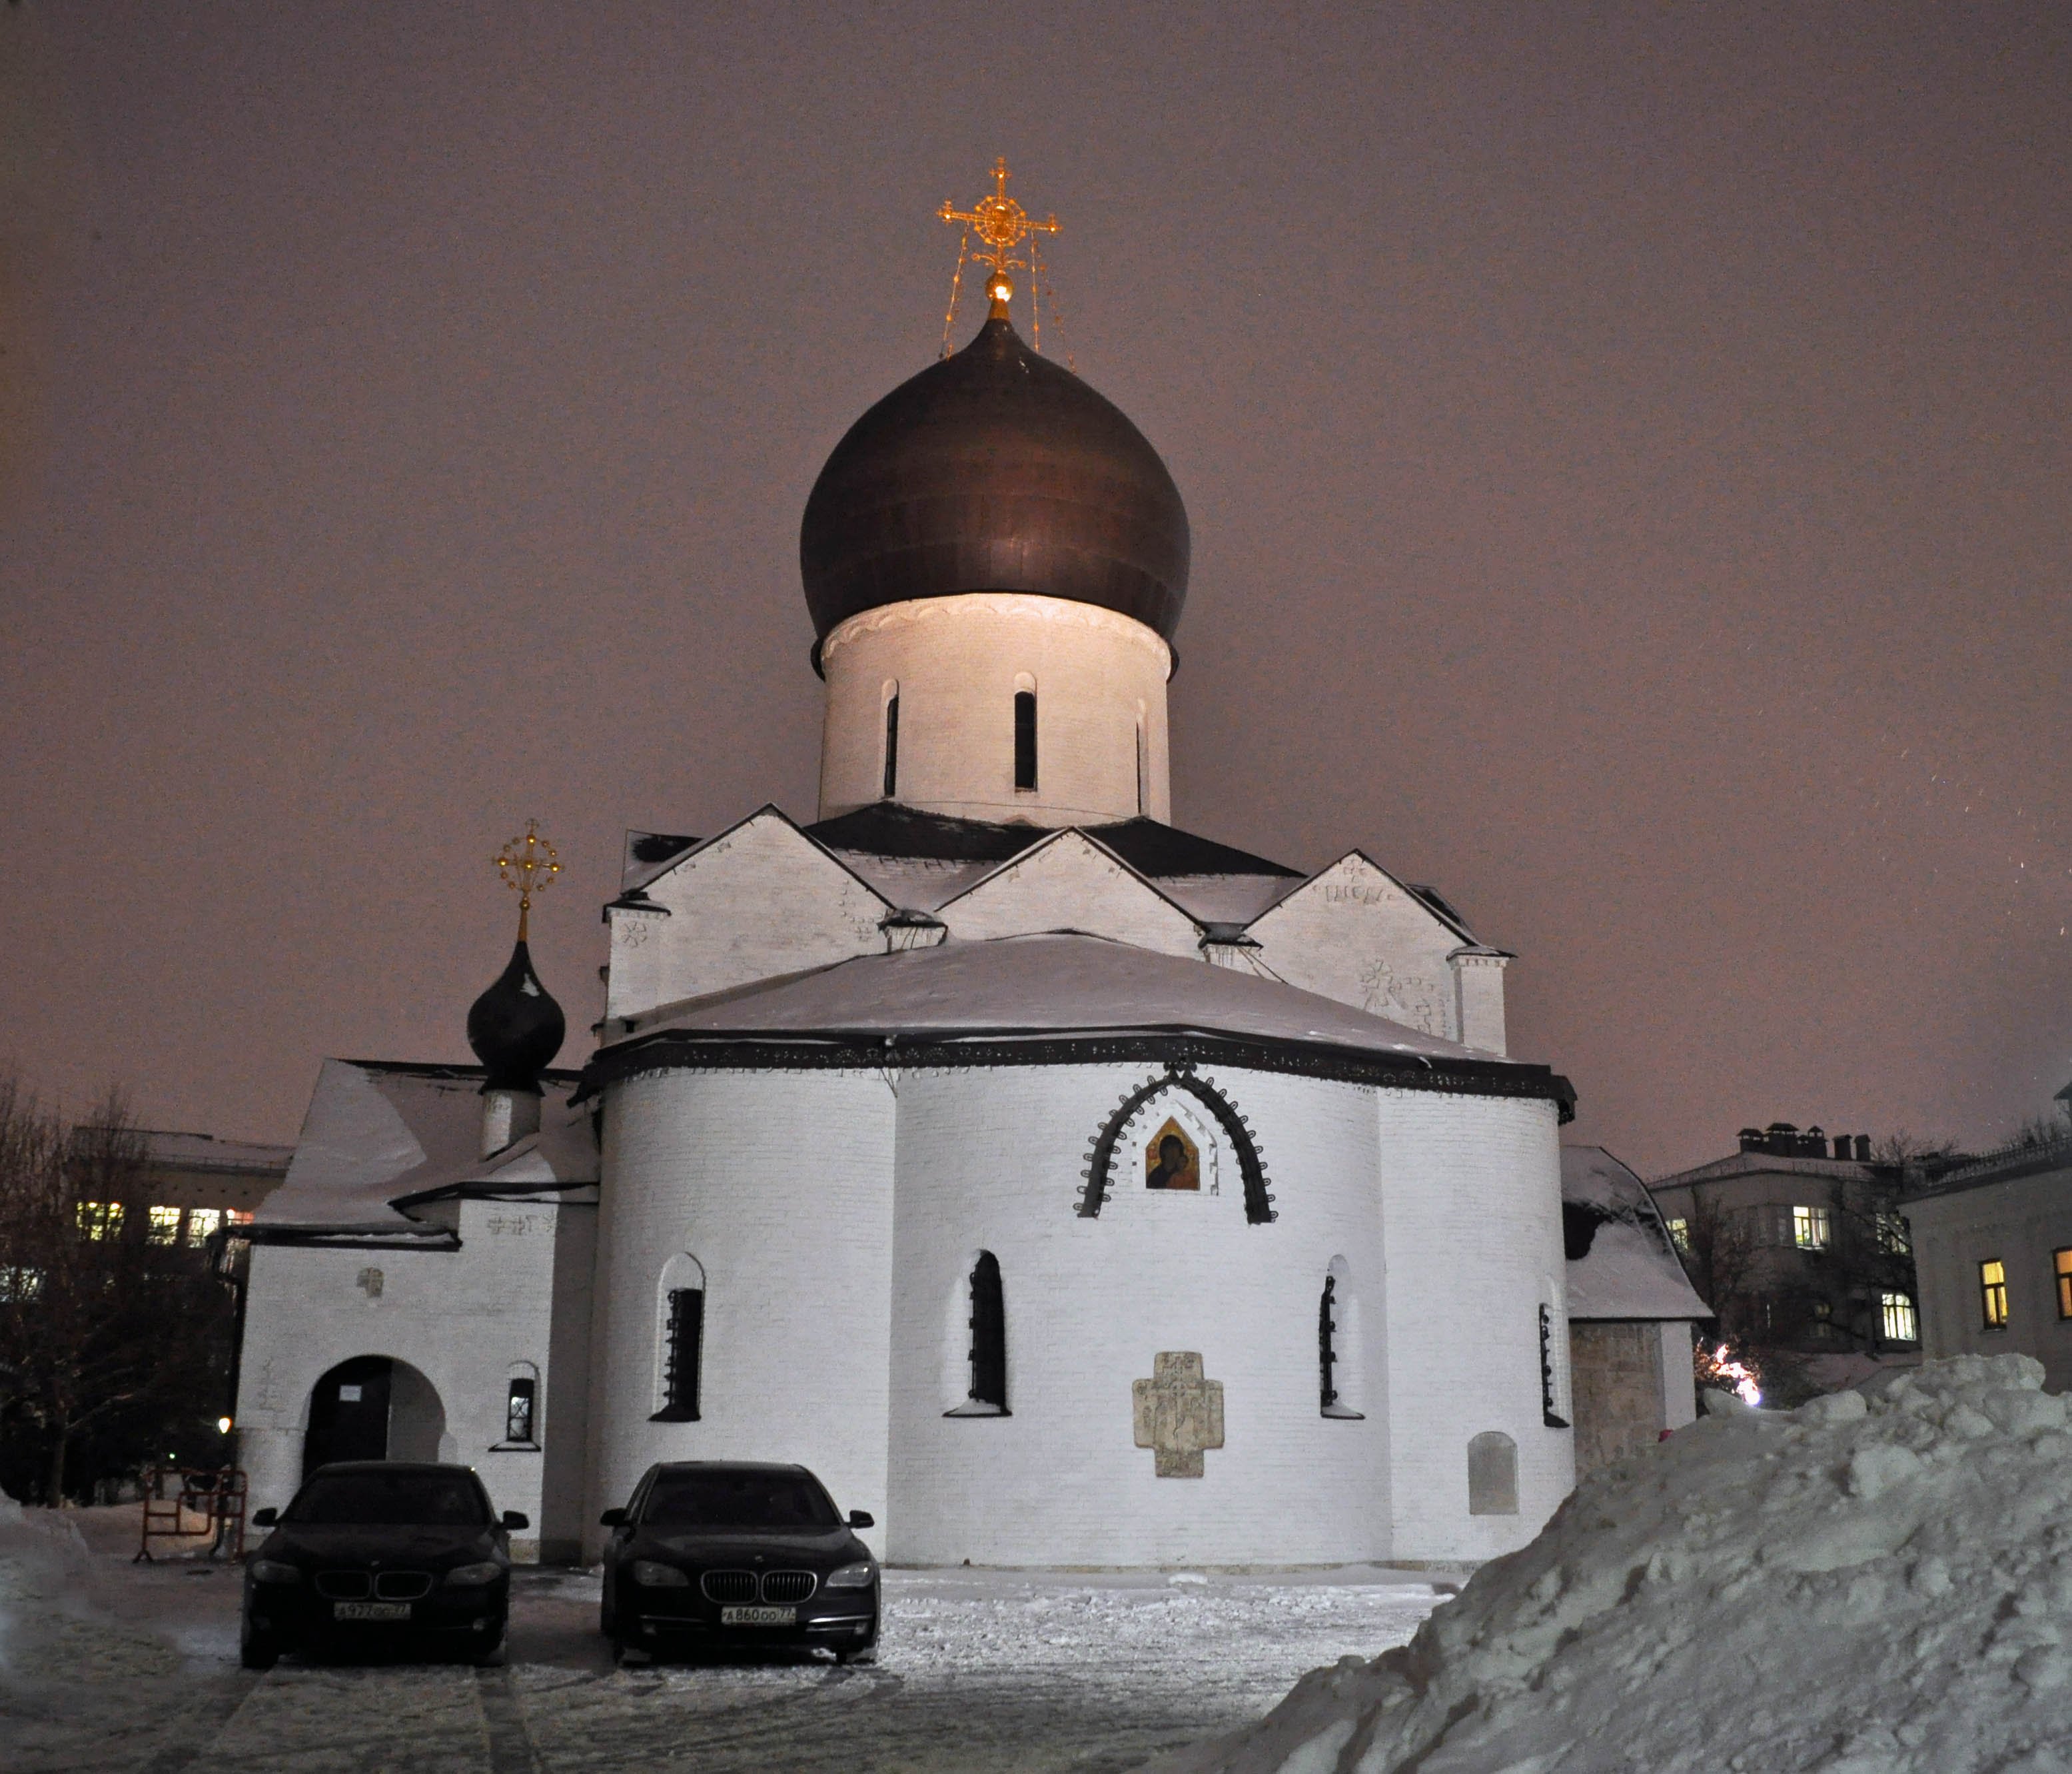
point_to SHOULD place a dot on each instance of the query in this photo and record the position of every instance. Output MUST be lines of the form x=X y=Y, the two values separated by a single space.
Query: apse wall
x=1471 y=1212
x=957 y=664
x=773 y=1191
x=994 y=1159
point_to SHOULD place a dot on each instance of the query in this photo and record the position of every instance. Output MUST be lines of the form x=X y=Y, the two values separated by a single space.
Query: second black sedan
x=723 y=1554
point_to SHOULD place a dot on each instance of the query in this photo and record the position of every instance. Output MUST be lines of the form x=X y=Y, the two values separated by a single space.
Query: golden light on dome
x=1000 y=225
x=528 y=866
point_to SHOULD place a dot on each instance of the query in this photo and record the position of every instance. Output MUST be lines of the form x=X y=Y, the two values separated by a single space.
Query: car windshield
x=738 y=1500
x=390 y=1500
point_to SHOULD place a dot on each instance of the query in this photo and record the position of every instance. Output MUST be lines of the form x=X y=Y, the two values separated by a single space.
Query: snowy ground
x=978 y=1671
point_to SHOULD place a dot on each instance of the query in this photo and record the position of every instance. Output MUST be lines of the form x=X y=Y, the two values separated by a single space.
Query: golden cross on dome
x=528 y=866
x=1002 y=224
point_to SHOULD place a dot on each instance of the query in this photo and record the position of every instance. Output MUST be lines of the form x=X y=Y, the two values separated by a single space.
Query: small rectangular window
x=203 y=1221
x=1025 y=739
x=2061 y=1260
x=165 y=1226
x=1810 y=1228
x=891 y=745
x=686 y=1339
x=100 y=1220
x=1680 y=1235
x=1992 y=1295
x=518 y=1410
x=1892 y=1237
x=1899 y=1321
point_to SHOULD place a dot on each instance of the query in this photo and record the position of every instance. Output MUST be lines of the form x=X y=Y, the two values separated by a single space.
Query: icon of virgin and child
x=1170 y=1160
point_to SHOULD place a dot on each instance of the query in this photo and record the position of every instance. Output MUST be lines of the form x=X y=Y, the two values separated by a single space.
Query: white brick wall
x=780 y=1185
x=835 y=1308
x=461 y=1317
x=956 y=662
x=1471 y=1190
x=1354 y=934
x=758 y=900
x=1069 y=883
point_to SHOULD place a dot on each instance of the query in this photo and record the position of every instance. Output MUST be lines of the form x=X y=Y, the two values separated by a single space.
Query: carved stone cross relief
x=1178 y=1413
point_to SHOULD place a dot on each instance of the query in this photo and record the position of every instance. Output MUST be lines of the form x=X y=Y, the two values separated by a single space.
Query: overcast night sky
x=1625 y=448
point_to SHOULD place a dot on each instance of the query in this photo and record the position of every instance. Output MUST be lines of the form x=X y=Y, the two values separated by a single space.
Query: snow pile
x=1879 y=1582
x=42 y=1568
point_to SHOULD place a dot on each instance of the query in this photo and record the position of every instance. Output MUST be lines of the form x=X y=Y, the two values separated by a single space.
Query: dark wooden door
x=349 y=1414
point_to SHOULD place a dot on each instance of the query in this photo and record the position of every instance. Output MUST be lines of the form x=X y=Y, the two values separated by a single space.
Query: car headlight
x=272 y=1570
x=651 y=1573
x=465 y=1576
x=860 y=1576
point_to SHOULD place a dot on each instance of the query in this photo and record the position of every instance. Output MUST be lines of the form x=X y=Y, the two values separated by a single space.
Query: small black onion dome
x=516 y=1027
x=995 y=470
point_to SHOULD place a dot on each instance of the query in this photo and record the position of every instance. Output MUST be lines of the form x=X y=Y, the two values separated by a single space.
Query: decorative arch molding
x=1179 y=1076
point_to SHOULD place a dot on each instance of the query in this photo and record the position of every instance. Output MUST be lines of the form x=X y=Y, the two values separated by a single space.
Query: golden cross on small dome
x=1002 y=224
x=528 y=866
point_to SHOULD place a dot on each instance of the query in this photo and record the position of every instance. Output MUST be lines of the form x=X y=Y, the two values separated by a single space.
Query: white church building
x=1061 y=1187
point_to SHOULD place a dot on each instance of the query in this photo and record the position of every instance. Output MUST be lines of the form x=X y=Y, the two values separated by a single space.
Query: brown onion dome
x=995 y=470
x=516 y=1027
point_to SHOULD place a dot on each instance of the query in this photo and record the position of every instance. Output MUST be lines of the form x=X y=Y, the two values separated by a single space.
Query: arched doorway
x=372 y=1408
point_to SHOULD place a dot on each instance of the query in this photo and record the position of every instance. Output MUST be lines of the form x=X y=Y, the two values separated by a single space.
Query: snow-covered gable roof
x=1027 y=993
x=1628 y=1268
x=378 y=1133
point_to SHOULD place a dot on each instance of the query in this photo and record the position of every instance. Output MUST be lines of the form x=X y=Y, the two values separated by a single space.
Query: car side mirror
x=612 y=1518
x=862 y=1518
x=265 y=1518
x=514 y=1520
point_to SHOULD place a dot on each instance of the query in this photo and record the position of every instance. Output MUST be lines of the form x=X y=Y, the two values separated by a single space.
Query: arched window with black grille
x=892 y=742
x=1333 y=1331
x=1327 y=1356
x=988 y=1335
x=1024 y=738
x=683 y=1336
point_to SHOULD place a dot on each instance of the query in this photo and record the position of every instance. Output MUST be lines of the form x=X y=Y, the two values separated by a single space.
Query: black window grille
x=518 y=1410
x=989 y=1330
x=891 y=746
x=685 y=1345
x=1327 y=1358
x=1024 y=738
x=1554 y=1419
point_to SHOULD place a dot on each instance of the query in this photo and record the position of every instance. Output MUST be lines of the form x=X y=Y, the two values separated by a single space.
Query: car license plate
x=370 y=1611
x=759 y=1616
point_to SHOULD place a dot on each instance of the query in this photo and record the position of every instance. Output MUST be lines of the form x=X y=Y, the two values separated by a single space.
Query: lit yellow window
x=1680 y=1234
x=2061 y=1261
x=1899 y=1321
x=1810 y=1228
x=100 y=1219
x=165 y=1228
x=1992 y=1295
x=201 y=1222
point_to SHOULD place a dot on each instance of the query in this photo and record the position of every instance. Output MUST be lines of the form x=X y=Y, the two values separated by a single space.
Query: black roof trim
x=887 y=828
x=459 y=1074
x=675 y=1049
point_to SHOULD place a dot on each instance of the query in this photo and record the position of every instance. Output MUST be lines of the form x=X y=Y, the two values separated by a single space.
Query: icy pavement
x=978 y=1671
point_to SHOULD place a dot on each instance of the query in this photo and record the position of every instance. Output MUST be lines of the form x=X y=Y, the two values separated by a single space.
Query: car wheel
x=865 y=1652
x=256 y=1650
x=493 y=1651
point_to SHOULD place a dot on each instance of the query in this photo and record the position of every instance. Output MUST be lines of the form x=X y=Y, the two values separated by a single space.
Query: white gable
x=1355 y=933
x=1071 y=882
x=761 y=899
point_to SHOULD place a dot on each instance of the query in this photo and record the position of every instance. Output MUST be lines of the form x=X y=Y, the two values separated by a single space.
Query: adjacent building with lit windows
x=1993 y=1241
x=1062 y=1186
x=1798 y=1241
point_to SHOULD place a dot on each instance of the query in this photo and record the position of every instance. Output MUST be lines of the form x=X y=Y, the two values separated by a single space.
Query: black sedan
x=378 y=1554
x=713 y=1555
